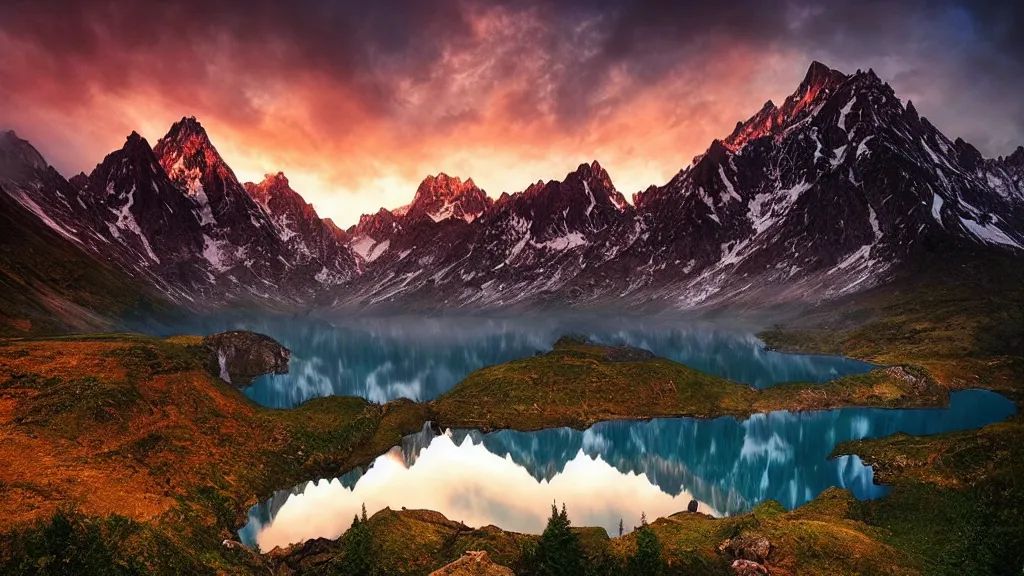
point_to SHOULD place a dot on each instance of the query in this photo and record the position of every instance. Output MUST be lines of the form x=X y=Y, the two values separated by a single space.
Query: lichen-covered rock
x=473 y=564
x=748 y=568
x=239 y=357
x=748 y=546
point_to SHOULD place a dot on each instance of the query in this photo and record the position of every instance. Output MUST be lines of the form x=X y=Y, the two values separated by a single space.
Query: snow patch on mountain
x=989 y=233
x=216 y=253
x=937 y=207
x=566 y=242
x=126 y=221
x=368 y=248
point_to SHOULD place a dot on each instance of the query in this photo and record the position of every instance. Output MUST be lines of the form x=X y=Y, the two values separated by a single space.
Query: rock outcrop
x=473 y=563
x=239 y=357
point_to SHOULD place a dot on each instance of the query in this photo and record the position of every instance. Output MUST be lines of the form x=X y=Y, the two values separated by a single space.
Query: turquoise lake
x=612 y=470
x=420 y=358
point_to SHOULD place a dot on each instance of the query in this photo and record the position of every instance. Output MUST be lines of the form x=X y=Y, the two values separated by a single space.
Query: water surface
x=612 y=471
x=423 y=357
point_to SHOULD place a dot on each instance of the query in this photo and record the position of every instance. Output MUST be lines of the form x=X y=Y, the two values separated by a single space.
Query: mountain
x=824 y=195
x=832 y=192
x=441 y=197
x=315 y=247
x=177 y=216
x=828 y=194
x=525 y=246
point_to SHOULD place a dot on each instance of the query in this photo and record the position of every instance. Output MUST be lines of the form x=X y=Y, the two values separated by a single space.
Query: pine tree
x=558 y=552
x=647 y=561
x=357 y=549
x=621 y=527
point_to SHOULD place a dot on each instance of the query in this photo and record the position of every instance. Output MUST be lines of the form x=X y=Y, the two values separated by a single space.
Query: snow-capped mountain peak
x=829 y=193
x=442 y=197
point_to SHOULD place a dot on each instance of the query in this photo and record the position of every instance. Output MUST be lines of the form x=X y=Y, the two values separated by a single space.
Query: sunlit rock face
x=612 y=471
x=442 y=197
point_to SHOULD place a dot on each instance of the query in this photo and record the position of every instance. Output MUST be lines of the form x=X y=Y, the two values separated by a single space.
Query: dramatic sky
x=357 y=101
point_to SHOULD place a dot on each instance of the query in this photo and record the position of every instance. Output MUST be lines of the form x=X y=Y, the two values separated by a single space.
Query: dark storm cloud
x=370 y=44
x=369 y=96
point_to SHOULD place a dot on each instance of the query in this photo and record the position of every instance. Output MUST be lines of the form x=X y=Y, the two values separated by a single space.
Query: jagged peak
x=594 y=169
x=135 y=142
x=187 y=126
x=187 y=146
x=442 y=196
x=911 y=111
x=444 y=186
x=968 y=156
x=277 y=179
x=820 y=77
x=1017 y=157
x=186 y=136
x=21 y=149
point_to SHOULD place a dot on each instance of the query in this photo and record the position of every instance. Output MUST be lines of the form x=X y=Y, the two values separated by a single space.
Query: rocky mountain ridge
x=827 y=194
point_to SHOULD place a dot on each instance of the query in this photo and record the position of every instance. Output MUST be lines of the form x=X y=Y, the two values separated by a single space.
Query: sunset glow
x=504 y=92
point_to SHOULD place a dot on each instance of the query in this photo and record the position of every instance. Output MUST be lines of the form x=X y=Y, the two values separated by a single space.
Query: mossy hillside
x=822 y=537
x=134 y=426
x=957 y=315
x=957 y=499
x=578 y=384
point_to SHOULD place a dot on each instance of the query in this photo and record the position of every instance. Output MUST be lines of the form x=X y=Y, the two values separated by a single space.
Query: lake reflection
x=422 y=357
x=613 y=470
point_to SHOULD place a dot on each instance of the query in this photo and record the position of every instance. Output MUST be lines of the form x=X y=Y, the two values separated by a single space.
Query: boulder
x=749 y=546
x=692 y=506
x=473 y=563
x=748 y=568
x=239 y=357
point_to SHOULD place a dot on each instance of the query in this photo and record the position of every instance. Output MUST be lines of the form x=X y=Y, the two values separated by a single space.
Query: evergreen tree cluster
x=357 y=558
x=559 y=552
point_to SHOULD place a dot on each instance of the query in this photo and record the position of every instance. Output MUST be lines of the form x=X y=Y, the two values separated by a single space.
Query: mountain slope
x=50 y=285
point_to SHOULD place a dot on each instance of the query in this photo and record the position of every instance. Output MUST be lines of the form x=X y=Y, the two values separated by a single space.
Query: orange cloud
x=356 y=113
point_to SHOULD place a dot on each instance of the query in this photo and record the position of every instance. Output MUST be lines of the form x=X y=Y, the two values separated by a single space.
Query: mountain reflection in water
x=423 y=357
x=612 y=470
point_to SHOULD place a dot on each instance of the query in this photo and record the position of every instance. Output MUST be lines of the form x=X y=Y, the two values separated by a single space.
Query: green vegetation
x=135 y=426
x=578 y=384
x=558 y=553
x=647 y=561
x=357 y=557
